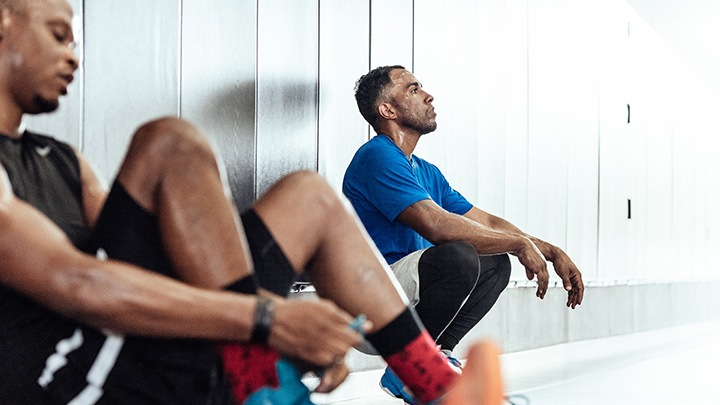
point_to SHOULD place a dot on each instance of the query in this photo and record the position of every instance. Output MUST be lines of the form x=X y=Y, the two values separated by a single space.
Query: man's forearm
x=126 y=299
x=439 y=226
x=485 y=239
x=40 y=262
x=548 y=250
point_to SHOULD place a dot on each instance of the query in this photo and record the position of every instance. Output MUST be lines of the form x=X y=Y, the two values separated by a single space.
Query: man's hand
x=314 y=332
x=571 y=278
x=332 y=377
x=535 y=265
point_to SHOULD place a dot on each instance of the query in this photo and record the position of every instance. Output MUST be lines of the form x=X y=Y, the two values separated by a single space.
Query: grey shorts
x=406 y=271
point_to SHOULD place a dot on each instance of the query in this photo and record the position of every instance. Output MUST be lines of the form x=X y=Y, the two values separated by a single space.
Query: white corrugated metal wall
x=532 y=100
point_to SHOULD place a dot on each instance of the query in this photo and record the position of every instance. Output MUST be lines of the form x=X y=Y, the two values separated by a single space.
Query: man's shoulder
x=44 y=139
x=377 y=142
x=425 y=164
x=380 y=147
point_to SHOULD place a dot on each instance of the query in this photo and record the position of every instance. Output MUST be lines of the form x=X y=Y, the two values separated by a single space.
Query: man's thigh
x=126 y=232
x=182 y=370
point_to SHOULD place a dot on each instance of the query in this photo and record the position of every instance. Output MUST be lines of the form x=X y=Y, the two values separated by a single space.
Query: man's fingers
x=314 y=331
x=529 y=274
x=333 y=376
x=566 y=282
x=575 y=296
x=581 y=294
x=543 y=279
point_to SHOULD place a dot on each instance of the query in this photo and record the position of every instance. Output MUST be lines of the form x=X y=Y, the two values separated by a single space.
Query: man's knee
x=500 y=266
x=163 y=144
x=161 y=147
x=169 y=136
x=308 y=189
x=458 y=257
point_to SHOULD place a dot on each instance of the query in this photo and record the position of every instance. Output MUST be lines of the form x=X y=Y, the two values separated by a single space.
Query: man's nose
x=72 y=58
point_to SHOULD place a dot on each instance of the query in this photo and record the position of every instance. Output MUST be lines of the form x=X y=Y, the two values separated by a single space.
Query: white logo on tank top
x=42 y=151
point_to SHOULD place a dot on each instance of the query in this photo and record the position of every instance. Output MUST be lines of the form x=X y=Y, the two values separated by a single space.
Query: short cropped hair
x=368 y=90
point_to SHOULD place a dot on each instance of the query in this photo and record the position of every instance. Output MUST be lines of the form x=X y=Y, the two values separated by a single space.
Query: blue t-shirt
x=381 y=182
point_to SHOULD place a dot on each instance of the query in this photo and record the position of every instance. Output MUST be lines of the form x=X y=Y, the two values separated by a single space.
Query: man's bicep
x=29 y=244
x=94 y=191
x=392 y=192
x=424 y=217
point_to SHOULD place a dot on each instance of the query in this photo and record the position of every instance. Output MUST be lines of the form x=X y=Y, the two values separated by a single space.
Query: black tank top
x=45 y=173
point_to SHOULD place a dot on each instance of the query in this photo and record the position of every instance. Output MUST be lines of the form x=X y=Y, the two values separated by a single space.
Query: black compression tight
x=457 y=289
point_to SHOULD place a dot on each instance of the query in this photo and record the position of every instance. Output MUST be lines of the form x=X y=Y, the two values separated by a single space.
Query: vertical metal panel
x=490 y=40
x=581 y=119
x=287 y=88
x=615 y=244
x=218 y=83
x=131 y=72
x=344 y=56
x=516 y=118
x=391 y=33
x=703 y=127
x=659 y=207
x=547 y=117
x=683 y=193
x=450 y=74
x=66 y=123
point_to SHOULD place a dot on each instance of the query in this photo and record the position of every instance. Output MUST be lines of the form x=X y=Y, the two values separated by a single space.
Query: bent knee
x=169 y=137
x=160 y=147
x=308 y=188
x=501 y=267
x=460 y=256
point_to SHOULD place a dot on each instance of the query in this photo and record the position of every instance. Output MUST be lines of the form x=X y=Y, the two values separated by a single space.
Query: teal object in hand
x=290 y=391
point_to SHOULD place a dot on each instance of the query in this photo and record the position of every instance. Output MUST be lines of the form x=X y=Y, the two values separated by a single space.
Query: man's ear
x=387 y=111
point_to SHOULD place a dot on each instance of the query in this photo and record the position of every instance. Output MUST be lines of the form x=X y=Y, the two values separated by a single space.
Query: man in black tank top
x=84 y=273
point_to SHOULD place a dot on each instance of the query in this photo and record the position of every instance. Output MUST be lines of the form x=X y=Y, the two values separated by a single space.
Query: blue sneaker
x=452 y=360
x=391 y=384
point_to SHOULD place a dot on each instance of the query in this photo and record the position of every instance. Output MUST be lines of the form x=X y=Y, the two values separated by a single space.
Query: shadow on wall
x=228 y=116
x=286 y=127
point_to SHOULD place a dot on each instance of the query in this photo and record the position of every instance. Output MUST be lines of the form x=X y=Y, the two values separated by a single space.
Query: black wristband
x=264 y=311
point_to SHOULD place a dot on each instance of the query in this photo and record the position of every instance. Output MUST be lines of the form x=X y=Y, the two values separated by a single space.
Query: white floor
x=675 y=366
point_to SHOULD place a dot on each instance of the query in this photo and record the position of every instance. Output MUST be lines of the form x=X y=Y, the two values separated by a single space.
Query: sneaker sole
x=387 y=391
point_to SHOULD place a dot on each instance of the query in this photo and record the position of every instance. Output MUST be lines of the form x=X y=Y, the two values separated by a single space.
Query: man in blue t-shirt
x=449 y=256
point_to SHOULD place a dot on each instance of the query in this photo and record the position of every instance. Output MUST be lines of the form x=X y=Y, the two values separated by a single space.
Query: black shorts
x=145 y=370
x=128 y=233
x=272 y=268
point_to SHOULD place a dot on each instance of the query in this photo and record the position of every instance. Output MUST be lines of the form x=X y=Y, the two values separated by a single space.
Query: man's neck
x=404 y=139
x=10 y=118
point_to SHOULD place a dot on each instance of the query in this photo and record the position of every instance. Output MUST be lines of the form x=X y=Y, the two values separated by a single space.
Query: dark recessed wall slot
x=628 y=107
x=629 y=209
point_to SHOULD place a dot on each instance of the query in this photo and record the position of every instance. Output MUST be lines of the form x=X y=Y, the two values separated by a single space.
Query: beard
x=42 y=105
x=421 y=125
